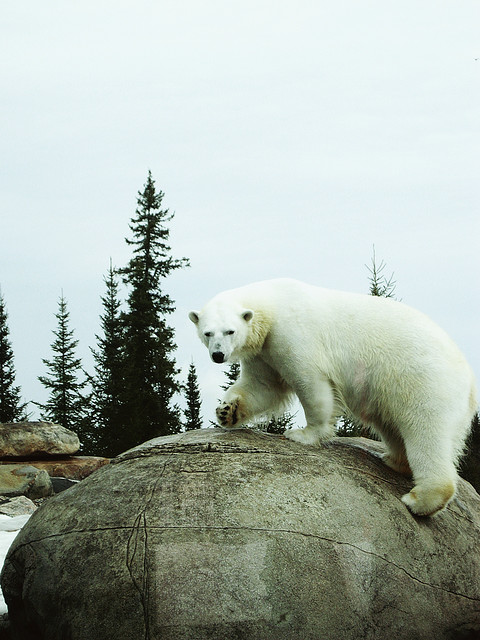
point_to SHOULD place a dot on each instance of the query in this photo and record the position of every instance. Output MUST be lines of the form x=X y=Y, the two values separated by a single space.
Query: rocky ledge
x=37 y=459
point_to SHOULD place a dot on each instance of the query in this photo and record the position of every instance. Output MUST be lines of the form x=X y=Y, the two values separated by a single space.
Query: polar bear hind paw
x=428 y=500
x=228 y=413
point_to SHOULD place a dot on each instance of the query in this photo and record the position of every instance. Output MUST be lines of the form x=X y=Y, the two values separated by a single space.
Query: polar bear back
x=354 y=340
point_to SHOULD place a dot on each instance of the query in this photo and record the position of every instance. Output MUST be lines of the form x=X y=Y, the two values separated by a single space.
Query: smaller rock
x=19 y=506
x=73 y=468
x=33 y=439
x=18 y=480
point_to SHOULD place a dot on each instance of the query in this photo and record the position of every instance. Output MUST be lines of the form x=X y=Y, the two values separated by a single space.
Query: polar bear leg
x=318 y=403
x=397 y=461
x=395 y=456
x=258 y=391
x=434 y=473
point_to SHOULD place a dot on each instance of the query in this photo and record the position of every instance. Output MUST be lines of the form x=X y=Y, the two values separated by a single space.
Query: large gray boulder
x=213 y=535
x=31 y=439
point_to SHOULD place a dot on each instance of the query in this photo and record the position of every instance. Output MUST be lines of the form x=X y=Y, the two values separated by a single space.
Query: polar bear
x=385 y=363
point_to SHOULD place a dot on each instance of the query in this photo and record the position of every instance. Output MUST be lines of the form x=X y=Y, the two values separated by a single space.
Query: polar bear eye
x=208 y=334
x=229 y=333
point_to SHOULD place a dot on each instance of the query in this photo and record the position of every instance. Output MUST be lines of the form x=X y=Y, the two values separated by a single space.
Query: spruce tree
x=193 y=419
x=11 y=407
x=65 y=404
x=109 y=381
x=150 y=369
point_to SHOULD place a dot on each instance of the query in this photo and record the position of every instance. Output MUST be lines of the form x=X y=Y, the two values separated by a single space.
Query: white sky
x=288 y=137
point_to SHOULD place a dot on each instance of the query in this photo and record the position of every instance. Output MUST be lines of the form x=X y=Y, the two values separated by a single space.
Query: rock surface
x=210 y=535
x=33 y=439
x=23 y=479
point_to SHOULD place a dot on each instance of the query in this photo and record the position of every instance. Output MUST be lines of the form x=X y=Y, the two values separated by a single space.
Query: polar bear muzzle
x=218 y=357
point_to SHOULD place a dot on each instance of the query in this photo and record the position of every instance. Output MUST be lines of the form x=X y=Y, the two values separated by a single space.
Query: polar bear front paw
x=228 y=413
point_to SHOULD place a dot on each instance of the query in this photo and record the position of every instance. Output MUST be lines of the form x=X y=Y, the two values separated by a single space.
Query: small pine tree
x=11 y=407
x=380 y=285
x=65 y=405
x=108 y=383
x=278 y=425
x=150 y=370
x=193 y=419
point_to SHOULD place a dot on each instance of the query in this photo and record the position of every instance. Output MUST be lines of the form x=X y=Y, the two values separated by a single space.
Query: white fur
x=387 y=364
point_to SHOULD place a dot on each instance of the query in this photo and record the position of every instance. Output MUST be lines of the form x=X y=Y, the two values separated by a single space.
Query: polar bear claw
x=228 y=413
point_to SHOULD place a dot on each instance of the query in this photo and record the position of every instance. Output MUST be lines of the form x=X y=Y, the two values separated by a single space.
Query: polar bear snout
x=218 y=357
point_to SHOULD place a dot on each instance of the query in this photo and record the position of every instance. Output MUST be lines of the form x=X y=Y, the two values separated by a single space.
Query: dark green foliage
x=278 y=425
x=108 y=383
x=470 y=465
x=380 y=285
x=193 y=419
x=11 y=407
x=65 y=405
x=149 y=369
x=347 y=427
x=232 y=374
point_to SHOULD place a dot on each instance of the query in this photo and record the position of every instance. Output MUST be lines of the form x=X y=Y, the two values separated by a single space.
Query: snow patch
x=9 y=529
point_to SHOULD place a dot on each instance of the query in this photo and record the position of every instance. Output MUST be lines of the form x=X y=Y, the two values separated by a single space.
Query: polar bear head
x=225 y=330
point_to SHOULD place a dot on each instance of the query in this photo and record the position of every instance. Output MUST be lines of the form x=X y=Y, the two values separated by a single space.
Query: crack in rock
x=135 y=547
x=137 y=556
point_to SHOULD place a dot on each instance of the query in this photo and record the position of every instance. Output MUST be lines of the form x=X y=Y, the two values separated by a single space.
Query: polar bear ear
x=194 y=316
x=247 y=315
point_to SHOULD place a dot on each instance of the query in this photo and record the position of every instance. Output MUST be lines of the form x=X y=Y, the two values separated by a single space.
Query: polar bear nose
x=218 y=357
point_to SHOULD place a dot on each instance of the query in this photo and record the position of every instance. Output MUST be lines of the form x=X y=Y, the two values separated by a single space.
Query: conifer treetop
x=150 y=234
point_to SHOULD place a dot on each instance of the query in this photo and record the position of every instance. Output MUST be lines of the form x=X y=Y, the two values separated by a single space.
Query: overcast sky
x=289 y=137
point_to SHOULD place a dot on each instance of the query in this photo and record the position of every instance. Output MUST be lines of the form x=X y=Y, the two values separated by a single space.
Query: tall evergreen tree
x=193 y=419
x=66 y=404
x=11 y=407
x=150 y=369
x=109 y=380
